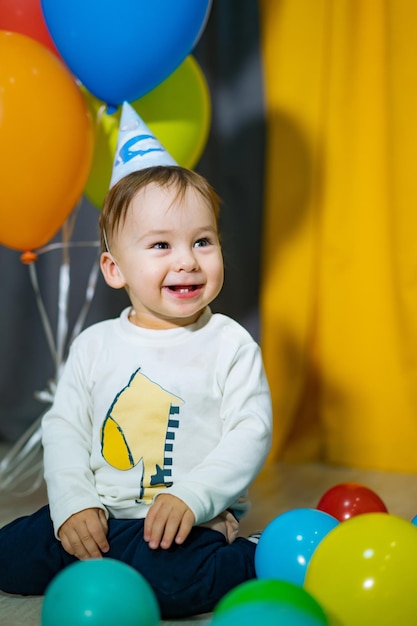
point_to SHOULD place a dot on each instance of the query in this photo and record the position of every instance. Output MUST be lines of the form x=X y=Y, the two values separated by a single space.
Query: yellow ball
x=364 y=571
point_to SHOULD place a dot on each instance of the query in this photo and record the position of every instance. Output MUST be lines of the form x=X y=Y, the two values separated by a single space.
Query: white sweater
x=138 y=411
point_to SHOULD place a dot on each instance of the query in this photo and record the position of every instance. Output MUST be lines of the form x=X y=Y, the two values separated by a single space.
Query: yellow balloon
x=178 y=112
x=364 y=572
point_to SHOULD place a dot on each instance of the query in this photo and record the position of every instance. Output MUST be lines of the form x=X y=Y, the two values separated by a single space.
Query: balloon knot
x=28 y=257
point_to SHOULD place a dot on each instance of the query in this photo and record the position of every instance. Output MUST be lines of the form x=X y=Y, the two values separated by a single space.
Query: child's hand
x=168 y=519
x=84 y=534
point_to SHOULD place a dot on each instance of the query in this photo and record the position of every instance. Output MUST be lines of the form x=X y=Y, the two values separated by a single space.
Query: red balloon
x=26 y=17
x=350 y=499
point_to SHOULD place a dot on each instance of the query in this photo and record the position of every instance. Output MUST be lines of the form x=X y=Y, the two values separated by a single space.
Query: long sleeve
x=67 y=442
x=221 y=479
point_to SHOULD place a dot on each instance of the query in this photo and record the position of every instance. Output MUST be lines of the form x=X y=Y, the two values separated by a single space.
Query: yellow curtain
x=339 y=283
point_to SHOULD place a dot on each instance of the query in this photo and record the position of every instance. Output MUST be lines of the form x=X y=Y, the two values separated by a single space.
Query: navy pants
x=187 y=579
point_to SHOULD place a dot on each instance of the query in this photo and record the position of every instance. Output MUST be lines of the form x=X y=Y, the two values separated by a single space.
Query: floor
x=279 y=488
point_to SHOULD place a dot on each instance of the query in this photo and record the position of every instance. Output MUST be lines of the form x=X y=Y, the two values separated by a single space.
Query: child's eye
x=204 y=241
x=160 y=245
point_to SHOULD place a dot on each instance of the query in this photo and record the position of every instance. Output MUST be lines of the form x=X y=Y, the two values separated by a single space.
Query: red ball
x=350 y=499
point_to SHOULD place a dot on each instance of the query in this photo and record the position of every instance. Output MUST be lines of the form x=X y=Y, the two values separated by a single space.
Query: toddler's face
x=169 y=256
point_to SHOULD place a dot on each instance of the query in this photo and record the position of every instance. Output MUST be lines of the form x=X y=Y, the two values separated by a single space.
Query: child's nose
x=186 y=260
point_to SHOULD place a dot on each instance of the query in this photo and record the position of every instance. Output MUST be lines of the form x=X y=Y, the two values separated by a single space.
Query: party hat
x=137 y=147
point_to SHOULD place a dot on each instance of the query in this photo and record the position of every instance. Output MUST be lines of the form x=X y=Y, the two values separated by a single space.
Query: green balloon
x=274 y=592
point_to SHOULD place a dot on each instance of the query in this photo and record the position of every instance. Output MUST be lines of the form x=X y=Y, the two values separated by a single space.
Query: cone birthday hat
x=137 y=147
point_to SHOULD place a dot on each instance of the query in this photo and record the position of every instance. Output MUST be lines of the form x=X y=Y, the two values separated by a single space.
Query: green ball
x=274 y=592
x=265 y=613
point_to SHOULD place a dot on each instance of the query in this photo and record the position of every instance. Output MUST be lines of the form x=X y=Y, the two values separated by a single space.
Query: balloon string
x=63 y=296
x=43 y=313
x=70 y=244
x=63 y=279
x=62 y=324
x=19 y=463
x=24 y=459
x=101 y=111
x=89 y=294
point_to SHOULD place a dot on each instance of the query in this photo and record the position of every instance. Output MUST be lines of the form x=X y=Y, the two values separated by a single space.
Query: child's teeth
x=183 y=289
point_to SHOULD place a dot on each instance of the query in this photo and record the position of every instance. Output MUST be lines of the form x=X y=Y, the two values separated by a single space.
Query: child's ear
x=111 y=271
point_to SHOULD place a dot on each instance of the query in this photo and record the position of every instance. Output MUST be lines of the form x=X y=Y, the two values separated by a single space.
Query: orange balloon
x=46 y=139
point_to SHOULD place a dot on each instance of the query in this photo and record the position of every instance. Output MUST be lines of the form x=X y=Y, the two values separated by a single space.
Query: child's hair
x=119 y=197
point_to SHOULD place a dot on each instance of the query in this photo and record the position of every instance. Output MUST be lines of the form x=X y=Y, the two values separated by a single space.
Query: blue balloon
x=288 y=543
x=121 y=50
x=414 y=520
x=266 y=614
x=99 y=592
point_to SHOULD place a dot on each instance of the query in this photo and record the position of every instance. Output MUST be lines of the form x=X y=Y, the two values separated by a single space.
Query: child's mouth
x=185 y=292
x=183 y=288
